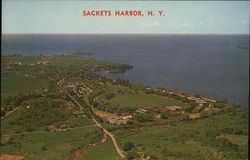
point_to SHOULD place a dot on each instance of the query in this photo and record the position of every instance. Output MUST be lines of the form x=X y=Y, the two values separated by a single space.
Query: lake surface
x=210 y=65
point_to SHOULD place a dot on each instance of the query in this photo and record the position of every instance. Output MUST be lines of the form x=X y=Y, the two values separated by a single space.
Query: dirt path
x=119 y=152
x=77 y=152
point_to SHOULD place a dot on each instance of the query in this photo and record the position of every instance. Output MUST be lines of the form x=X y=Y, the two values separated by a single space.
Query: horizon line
x=125 y=34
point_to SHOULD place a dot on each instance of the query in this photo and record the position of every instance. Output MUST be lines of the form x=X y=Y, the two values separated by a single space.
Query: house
x=194 y=116
x=169 y=108
x=170 y=92
x=198 y=109
x=191 y=98
x=119 y=119
x=125 y=114
x=141 y=110
x=199 y=101
x=175 y=113
x=157 y=116
x=162 y=109
x=179 y=93
x=52 y=128
x=42 y=62
x=177 y=107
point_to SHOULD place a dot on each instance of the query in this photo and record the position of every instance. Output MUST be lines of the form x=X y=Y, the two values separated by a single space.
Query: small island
x=82 y=53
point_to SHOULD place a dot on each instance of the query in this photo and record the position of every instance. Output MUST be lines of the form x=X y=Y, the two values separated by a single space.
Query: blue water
x=212 y=65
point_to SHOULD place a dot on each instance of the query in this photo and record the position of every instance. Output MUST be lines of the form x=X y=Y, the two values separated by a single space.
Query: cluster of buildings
x=141 y=110
x=122 y=119
x=42 y=62
x=199 y=101
x=79 y=89
x=37 y=63
x=168 y=109
x=53 y=128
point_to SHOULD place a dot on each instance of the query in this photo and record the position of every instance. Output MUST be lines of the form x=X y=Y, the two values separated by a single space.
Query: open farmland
x=192 y=139
x=12 y=85
x=49 y=145
x=143 y=101
x=104 y=151
x=39 y=119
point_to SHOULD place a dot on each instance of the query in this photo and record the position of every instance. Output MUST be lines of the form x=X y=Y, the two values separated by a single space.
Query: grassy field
x=78 y=121
x=191 y=139
x=12 y=85
x=24 y=59
x=143 y=101
x=154 y=141
x=235 y=139
x=50 y=145
x=104 y=151
x=22 y=118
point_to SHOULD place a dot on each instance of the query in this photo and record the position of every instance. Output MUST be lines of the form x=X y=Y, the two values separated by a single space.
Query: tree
x=165 y=115
x=197 y=96
x=108 y=96
x=132 y=155
x=130 y=122
x=128 y=146
x=219 y=105
x=144 y=117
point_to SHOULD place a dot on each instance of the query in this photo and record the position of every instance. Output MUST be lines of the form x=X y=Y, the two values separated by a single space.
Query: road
x=119 y=152
x=10 y=112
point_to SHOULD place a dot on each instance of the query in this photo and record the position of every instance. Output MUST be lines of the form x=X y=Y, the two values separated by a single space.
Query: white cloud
x=154 y=23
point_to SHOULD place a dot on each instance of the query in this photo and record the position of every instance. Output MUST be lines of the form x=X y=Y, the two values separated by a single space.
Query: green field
x=143 y=101
x=12 y=85
x=48 y=146
x=192 y=139
x=24 y=120
x=105 y=151
x=24 y=59
x=235 y=139
x=46 y=123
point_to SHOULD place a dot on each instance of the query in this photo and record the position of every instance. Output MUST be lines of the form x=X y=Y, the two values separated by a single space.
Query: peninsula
x=59 y=107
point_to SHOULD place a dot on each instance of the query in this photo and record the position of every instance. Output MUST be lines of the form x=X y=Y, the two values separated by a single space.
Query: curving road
x=119 y=152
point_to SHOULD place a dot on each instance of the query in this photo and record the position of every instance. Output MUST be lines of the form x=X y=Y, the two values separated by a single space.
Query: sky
x=183 y=17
